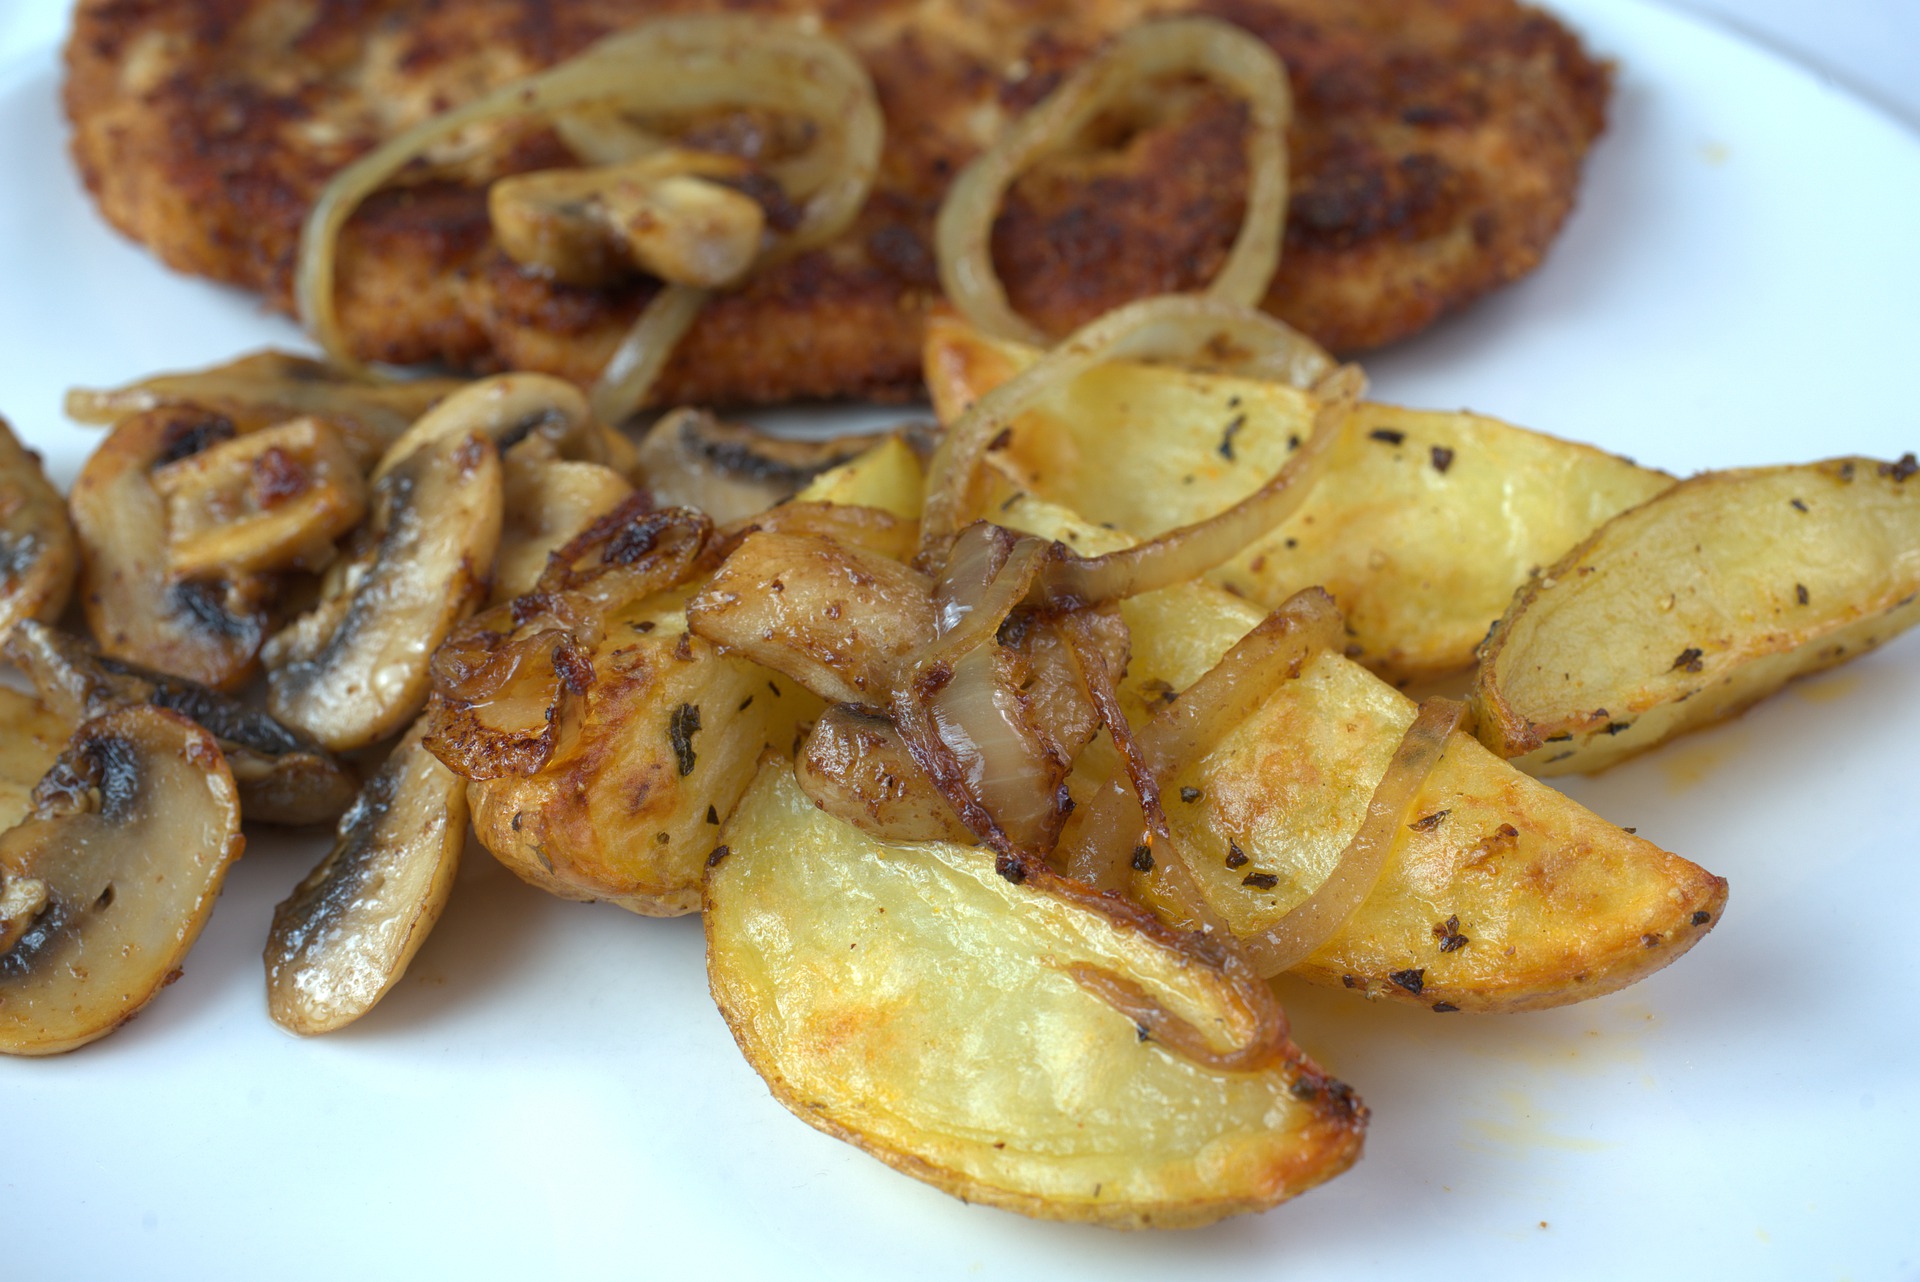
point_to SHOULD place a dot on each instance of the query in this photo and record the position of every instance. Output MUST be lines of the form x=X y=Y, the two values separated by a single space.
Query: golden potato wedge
x=660 y=748
x=888 y=477
x=1696 y=604
x=909 y=1000
x=1421 y=528
x=1504 y=895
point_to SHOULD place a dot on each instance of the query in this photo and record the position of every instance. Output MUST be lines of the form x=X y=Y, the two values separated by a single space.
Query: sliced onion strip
x=1239 y=62
x=1319 y=917
x=1179 y=328
x=688 y=62
x=1227 y=694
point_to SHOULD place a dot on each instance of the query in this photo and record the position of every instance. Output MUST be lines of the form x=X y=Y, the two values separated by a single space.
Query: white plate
x=549 y=1092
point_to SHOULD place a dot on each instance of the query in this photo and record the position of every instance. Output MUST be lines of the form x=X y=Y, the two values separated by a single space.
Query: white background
x=550 y=1093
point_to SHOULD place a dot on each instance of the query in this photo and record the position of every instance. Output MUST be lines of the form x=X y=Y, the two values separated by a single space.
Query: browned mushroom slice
x=346 y=934
x=270 y=387
x=855 y=767
x=728 y=471
x=549 y=500
x=284 y=776
x=271 y=500
x=37 y=554
x=509 y=409
x=207 y=630
x=105 y=886
x=31 y=737
x=657 y=213
x=837 y=618
x=354 y=670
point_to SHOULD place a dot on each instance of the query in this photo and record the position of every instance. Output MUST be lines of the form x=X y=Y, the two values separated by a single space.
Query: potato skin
x=612 y=815
x=909 y=1000
x=1697 y=604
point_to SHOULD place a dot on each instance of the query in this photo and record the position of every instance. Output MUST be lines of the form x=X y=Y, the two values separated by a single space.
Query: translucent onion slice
x=1084 y=647
x=1178 y=328
x=675 y=64
x=1317 y=918
x=635 y=365
x=1227 y=694
x=1225 y=54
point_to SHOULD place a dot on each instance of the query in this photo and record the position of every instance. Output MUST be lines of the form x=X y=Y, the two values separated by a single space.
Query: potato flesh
x=1567 y=908
x=129 y=878
x=612 y=816
x=345 y=935
x=908 y=999
x=888 y=477
x=1692 y=607
x=1421 y=528
x=38 y=555
x=838 y=618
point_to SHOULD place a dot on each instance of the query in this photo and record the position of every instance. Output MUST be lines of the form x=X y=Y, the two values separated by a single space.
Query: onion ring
x=681 y=63
x=1174 y=328
x=1223 y=53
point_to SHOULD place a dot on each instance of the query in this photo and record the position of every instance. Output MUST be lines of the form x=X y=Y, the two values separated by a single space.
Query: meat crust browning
x=1435 y=154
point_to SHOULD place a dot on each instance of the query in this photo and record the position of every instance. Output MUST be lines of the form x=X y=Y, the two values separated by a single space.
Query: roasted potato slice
x=888 y=477
x=38 y=556
x=1698 y=603
x=645 y=766
x=107 y=883
x=912 y=1001
x=1548 y=903
x=1421 y=528
x=346 y=933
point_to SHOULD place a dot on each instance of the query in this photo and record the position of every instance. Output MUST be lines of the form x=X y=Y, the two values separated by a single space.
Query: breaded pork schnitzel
x=1435 y=153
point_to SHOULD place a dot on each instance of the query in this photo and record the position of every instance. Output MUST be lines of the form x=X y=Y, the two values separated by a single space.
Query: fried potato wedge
x=645 y=766
x=1421 y=528
x=1695 y=605
x=909 y=1000
x=888 y=476
x=1548 y=903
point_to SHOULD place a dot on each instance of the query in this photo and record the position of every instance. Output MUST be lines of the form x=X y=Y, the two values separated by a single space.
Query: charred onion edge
x=684 y=63
x=1241 y=63
x=1176 y=328
x=1276 y=650
x=1317 y=918
x=1105 y=698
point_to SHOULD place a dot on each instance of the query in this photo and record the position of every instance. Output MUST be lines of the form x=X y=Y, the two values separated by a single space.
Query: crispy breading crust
x=1435 y=155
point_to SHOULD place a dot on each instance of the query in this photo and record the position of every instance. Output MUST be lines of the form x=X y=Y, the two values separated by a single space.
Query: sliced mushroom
x=856 y=768
x=205 y=629
x=31 y=737
x=37 y=553
x=509 y=409
x=284 y=776
x=657 y=213
x=346 y=934
x=692 y=459
x=549 y=500
x=270 y=387
x=274 y=499
x=105 y=886
x=354 y=669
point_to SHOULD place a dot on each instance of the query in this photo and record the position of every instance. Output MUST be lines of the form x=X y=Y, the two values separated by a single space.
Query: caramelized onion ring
x=1227 y=694
x=1317 y=918
x=1176 y=328
x=675 y=64
x=1225 y=54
